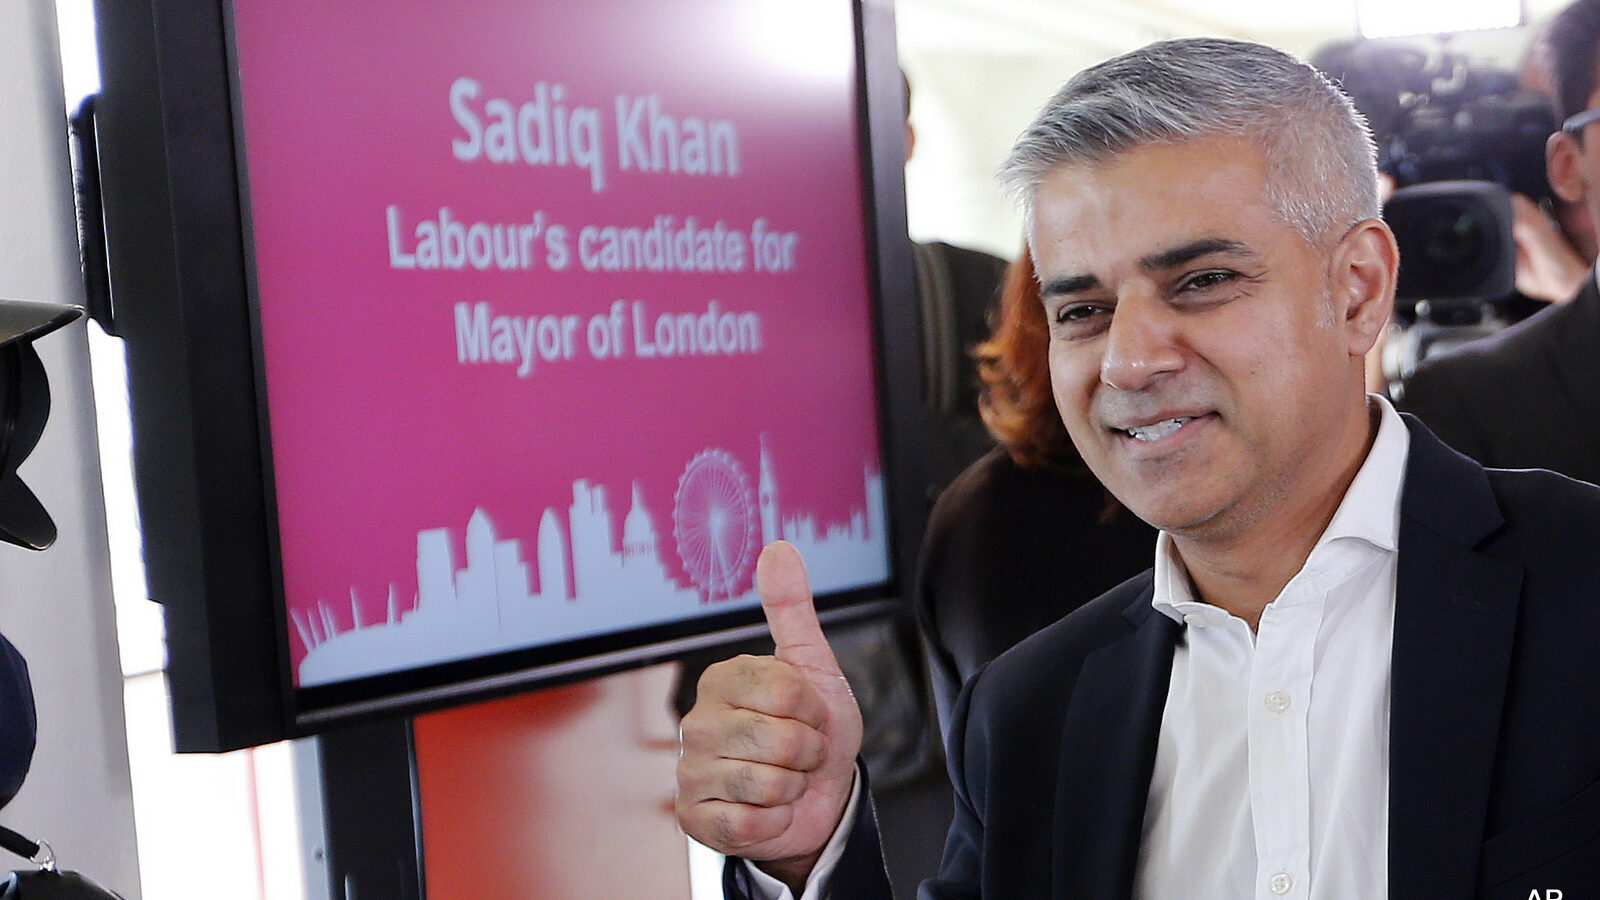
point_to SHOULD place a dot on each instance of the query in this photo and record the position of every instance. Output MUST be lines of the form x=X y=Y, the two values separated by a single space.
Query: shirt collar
x=1370 y=512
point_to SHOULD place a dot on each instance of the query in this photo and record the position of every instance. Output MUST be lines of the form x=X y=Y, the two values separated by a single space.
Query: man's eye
x=1206 y=280
x=1075 y=312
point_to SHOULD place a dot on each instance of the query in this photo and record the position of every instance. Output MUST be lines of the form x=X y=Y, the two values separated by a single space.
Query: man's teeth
x=1159 y=430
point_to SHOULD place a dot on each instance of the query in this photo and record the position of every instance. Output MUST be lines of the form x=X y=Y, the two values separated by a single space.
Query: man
x=1529 y=396
x=1358 y=668
x=957 y=293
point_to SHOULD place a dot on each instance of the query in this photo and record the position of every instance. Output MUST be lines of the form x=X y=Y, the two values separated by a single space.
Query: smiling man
x=1359 y=665
x=1205 y=354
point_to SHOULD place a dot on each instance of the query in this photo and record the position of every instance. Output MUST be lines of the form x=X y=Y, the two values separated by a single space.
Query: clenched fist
x=769 y=750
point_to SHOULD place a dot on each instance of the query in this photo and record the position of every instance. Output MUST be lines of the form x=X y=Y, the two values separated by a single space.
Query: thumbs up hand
x=769 y=749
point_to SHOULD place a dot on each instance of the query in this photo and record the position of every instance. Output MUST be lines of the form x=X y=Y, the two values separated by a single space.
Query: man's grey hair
x=1322 y=172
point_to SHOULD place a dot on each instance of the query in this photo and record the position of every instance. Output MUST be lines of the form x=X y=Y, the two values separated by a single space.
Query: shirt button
x=1281 y=883
x=1277 y=701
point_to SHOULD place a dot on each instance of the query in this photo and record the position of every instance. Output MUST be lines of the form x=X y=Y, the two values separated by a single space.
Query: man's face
x=1197 y=356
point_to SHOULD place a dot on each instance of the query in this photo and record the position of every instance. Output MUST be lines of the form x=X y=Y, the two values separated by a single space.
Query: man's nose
x=1142 y=341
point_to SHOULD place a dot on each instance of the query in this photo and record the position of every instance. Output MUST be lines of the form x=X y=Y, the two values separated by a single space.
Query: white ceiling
x=1028 y=25
x=980 y=68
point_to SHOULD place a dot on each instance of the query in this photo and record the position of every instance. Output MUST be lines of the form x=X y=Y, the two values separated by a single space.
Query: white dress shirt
x=1272 y=768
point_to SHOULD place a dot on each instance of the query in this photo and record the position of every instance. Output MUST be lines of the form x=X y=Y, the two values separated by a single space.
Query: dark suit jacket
x=1527 y=397
x=1494 y=719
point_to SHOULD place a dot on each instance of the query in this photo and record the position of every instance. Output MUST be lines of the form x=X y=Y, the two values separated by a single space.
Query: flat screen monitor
x=483 y=344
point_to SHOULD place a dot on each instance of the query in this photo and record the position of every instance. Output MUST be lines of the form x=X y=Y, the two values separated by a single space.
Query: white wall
x=56 y=606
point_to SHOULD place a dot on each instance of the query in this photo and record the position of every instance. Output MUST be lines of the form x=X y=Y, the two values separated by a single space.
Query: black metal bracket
x=91 y=216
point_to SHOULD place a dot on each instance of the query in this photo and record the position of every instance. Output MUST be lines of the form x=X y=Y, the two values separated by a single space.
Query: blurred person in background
x=957 y=297
x=1529 y=396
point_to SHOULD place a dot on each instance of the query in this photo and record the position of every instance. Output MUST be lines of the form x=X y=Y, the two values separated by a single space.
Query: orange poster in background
x=563 y=794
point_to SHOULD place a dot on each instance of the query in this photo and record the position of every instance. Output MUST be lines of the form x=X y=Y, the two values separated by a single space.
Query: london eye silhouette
x=714 y=521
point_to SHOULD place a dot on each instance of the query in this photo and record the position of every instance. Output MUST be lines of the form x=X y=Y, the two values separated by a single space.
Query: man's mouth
x=1157 y=430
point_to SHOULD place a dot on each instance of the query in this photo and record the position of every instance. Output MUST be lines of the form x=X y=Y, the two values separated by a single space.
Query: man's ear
x=1561 y=152
x=1366 y=264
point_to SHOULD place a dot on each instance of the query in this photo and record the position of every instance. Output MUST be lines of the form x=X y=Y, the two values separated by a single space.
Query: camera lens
x=1454 y=236
x=1455 y=241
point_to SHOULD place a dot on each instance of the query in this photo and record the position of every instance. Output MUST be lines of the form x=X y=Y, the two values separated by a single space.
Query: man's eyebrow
x=1068 y=284
x=1155 y=262
x=1177 y=256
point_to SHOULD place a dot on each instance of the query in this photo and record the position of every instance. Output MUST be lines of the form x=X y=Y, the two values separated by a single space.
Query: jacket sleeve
x=959 y=871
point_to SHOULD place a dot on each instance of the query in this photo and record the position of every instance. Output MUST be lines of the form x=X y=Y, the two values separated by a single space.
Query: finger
x=780 y=742
x=748 y=736
x=763 y=684
x=791 y=615
x=732 y=827
x=737 y=781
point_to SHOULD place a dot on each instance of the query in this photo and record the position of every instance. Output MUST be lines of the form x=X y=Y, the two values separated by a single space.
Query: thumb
x=791 y=616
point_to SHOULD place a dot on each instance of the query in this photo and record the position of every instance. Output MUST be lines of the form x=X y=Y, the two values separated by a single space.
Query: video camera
x=24 y=406
x=1457 y=139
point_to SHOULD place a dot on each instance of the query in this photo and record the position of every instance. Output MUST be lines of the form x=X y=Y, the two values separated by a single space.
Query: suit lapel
x=1108 y=753
x=1455 y=614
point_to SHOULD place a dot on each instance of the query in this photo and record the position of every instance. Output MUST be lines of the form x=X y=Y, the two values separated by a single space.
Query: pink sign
x=564 y=311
